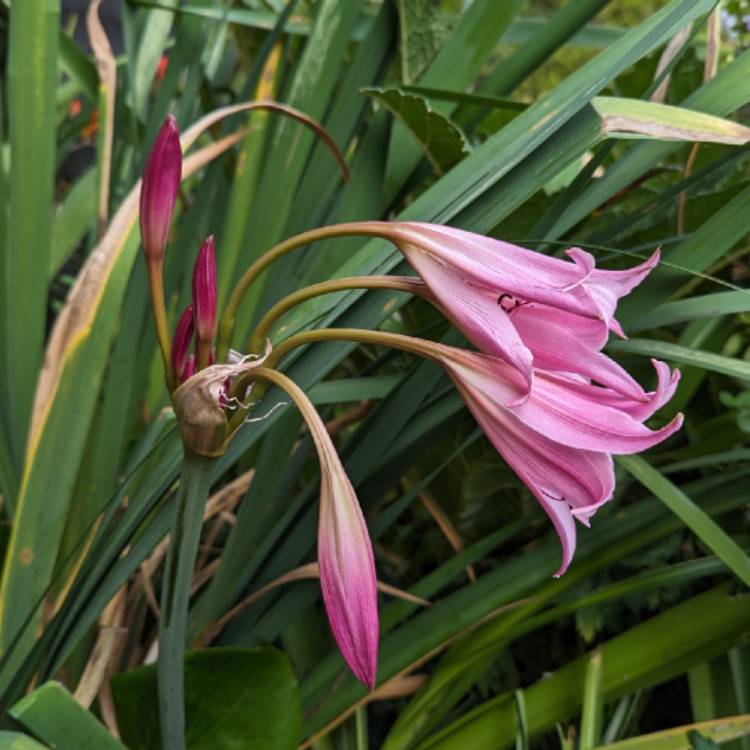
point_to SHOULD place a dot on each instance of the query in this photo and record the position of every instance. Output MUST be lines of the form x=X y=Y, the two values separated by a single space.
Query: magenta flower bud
x=190 y=367
x=183 y=337
x=204 y=292
x=161 y=181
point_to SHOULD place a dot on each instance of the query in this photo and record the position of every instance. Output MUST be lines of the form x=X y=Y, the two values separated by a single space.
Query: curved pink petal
x=493 y=265
x=477 y=314
x=502 y=268
x=564 y=342
x=607 y=287
x=667 y=382
x=568 y=483
x=565 y=411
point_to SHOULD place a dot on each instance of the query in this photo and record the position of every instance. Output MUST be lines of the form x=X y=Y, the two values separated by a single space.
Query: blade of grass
x=702 y=525
x=32 y=80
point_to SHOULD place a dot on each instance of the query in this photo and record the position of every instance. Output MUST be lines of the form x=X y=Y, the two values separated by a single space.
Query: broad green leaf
x=75 y=216
x=157 y=26
x=593 y=705
x=441 y=140
x=76 y=358
x=694 y=308
x=533 y=51
x=53 y=715
x=691 y=514
x=720 y=96
x=353 y=389
x=234 y=698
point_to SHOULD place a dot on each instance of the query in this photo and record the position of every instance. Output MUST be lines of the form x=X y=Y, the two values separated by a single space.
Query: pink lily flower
x=483 y=284
x=161 y=182
x=560 y=439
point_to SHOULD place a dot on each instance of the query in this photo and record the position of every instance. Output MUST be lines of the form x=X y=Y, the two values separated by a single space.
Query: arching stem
x=227 y=322
x=408 y=284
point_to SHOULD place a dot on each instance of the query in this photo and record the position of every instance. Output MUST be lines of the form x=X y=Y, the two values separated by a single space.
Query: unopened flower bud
x=161 y=181
x=204 y=292
x=183 y=337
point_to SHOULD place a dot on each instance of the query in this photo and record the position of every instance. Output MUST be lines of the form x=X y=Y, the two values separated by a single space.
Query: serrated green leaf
x=442 y=141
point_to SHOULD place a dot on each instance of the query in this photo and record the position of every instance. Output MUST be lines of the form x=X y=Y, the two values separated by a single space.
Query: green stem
x=398 y=283
x=175 y=596
x=359 y=335
x=226 y=325
x=156 y=286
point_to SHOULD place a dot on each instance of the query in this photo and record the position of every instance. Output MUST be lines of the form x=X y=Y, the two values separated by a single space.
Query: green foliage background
x=646 y=632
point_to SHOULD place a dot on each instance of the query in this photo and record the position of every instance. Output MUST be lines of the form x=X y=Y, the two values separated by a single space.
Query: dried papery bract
x=199 y=406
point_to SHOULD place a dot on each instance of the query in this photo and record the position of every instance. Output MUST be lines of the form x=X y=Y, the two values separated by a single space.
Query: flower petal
x=477 y=314
x=565 y=342
x=567 y=482
x=575 y=414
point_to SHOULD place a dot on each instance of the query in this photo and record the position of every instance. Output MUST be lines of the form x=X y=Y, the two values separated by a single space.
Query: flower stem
x=399 y=283
x=226 y=325
x=175 y=596
x=360 y=335
x=156 y=287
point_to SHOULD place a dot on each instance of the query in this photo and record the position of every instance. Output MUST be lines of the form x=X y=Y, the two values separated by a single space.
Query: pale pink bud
x=161 y=181
x=204 y=292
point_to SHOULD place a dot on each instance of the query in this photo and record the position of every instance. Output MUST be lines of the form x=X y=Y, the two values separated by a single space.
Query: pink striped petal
x=563 y=342
x=568 y=483
x=347 y=572
x=484 y=263
x=567 y=412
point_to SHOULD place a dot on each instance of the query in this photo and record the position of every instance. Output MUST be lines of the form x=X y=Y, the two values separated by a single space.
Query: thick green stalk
x=175 y=596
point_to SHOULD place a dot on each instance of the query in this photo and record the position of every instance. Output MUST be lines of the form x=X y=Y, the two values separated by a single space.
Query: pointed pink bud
x=190 y=367
x=161 y=181
x=347 y=570
x=183 y=337
x=345 y=559
x=204 y=292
